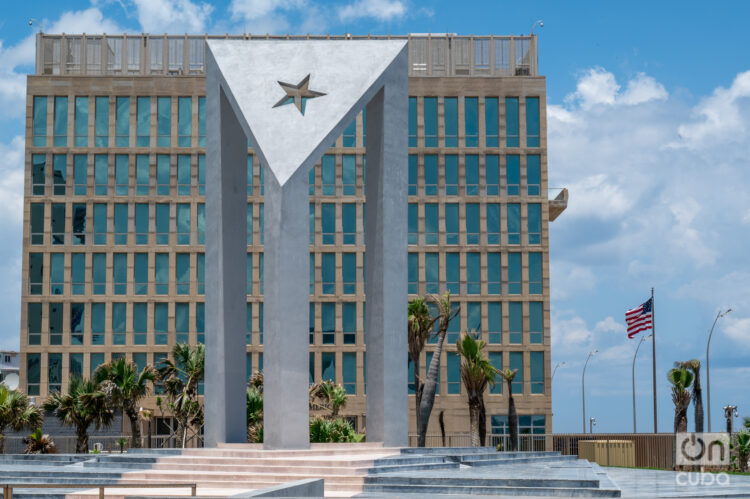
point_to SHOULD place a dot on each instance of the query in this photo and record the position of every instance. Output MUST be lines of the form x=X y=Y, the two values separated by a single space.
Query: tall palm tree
x=84 y=404
x=16 y=413
x=420 y=328
x=331 y=395
x=180 y=378
x=681 y=379
x=476 y=373
x=508 y=376
x=694 y=366
x=126 y=386
x=445 y=316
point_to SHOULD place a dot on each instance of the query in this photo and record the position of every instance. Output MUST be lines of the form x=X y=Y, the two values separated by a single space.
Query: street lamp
x=559 y=364
x=708 y=373
x=583 y=387
x=643 y=338
x=592 y=423
x=730 y=412
x=539 y=23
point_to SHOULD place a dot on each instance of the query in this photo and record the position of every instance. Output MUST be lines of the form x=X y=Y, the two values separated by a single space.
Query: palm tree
x=16 y=413
x=332 y=396
x=254 y=414
x=445 y=316
x=742 y=445
x=84 y=404
x=681 y=379
x=38 y=443
x=694 y=366
x=508 y=376
x=420 y=328
x=125 y=386
x=476 y=373
x=180 y=379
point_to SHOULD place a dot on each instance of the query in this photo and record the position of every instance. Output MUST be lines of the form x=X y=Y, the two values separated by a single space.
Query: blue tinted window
x=182 y=322
x=492 y=174
x=514 y=223
x=493 y=223
x=143 y=121
x=451 y=223
x=162 y=223
x=496 y=359
x=515 y=322
x=328 y=325
x=184 y=121
x=453 y=273
x=40 y=121
x=516 y=362
x=430 y=175
x=412 y=175
x=532 y=121
x=328 y=174
x=413 y=223
x=431 y=218
x=451 y=175
x=99 y=273
x=474 y=318
x=349 y=272
x=511 y=122
x=122 y=122
x=101 y=116
x=412 y=121
x=514 y=273
x=472 y=223
x=349 y=372
x=142 y=175
x=472 y=175
x=182 y=273
x=454 y=373
x=349 y=322
x=413 y=273
x=328 y=273
x=121 y=175
x=118 y=323
x=80 y=174
x=328 y=366
x=59 y=174
x=120 y=273
x=451 y=122
x=81 y=121
x=78 y=273
x=536 y=322
x=201 y=122
x=161 y=321
x=535 y=223
x=101 y=174
x=536 y=371
x=183 y=175
x=38 y=174
x=163 y=121
x=60 y=128
x=473 y=274
x=161 y=273
x=328 y=222
x=513 y=173
x=491 y=122
x=430 y=122
x=349 y=174
x=494 y=322
x=162 y=174
x=471 y=121
x=97 y=323
x=432 y=272
x=140 y=273
x=535 y=273
x=493 y=273
x=349 y=138
x=141 y=223
x=533 y=175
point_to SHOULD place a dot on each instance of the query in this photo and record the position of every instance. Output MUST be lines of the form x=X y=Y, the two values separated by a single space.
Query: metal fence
x=67 y=444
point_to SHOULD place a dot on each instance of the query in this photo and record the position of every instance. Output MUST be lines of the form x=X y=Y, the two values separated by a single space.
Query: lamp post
x=592 y=423
x=730 y=412
x=643 y=338
x=708 y=372
x=559 y=364
x=583 y=387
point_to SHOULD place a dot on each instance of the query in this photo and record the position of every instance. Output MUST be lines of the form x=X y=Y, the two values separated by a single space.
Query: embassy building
x=114 y=217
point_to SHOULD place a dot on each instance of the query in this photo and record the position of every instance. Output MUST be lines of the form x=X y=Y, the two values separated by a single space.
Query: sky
x=648 y=128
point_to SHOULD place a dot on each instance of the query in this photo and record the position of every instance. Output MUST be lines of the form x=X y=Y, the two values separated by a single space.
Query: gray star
x=298 y=94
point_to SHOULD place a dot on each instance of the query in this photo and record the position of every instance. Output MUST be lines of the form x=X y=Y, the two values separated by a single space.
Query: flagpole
x=653 y=350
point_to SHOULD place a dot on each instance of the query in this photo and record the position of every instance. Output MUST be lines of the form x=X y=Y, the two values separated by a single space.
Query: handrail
x=8 y=487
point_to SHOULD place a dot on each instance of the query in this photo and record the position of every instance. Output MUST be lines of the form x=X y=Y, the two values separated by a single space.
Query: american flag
x=639 y=318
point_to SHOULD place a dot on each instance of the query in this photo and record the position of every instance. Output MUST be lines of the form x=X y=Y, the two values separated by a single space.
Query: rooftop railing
x=169 y=55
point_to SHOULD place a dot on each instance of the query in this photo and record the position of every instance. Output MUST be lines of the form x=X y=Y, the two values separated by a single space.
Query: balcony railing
x=144 y=55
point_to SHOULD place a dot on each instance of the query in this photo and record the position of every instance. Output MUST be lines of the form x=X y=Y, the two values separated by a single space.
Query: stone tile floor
x=657 y=483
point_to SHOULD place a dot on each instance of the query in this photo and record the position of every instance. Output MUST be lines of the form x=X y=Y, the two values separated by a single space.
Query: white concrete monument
x=291 y=100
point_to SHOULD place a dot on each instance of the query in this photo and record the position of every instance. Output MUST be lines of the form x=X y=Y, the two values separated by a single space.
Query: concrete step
x=483 y=482
x=490 y=491
x=528 y=460
x=258 y=453
x=200 y=476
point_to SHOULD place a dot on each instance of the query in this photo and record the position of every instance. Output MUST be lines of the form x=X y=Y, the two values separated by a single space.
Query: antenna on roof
x=540 y=23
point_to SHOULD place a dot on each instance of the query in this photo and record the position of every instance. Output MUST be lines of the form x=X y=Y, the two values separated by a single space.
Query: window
x=118 y=323
x=536 y=322
x=349 y=222
x=349 y=138
x=471 y=119
x=122 y=122
x=37 y=223
x=36 y=273
x=99 y=273
x=162 y=223
x=492 y=176
x=161 y=273
x=97 y=359
x=161 y=321
x=78 y=273
x=413 y=175
x=493 y=274
x=183 y=223
x=514 y=223
x=157 y=61
x=454 y=373
x=511 y=122
x=140 y=271
x=515 y=322
x=182 y=273
x=38 y=174
x=496 y=359
x=97 y=323
x=202 y=175
x=101 y=174
x=140 y=323
x=472 y=175
x=472 y=223
x=121 y=175
x=533 y=175
x=81 y=121
x=182 y=322
x=162 y=174
x=101 y=125
x=453 y=273
x=77 y=312
x=473 y=274
x=200 y=322
x=349 y=273
x=54 y=372
x=142 y=175
x=33 y=370
x=451 y=121
x=176 y=53
x=143 y=119
x=260 y=272
x=349 y=372
x=494 y=323
x=141 y=223
x=430 y=122
x=94 y=55
x=121 y=223
x=430 y=175
x=516 y=362
x=183 y=175
x=80 y=174
x=75 y=363
x=139 y=359
x=249 y=274
x=328 y=322
x=195 y=46
x=493 y=223
x=513 y=173
x=40 y=121
x=432 y=272
x=328 y=366
x=60 y=129
x=200 y=270
x=328 y=222
x=474 y=318
x=349 y=174
x=120 y=273
x=413 y=223
x=532 y=121
x=59 y=174
x=491 y=122
x=163 y=121
x=534 y=222
x=413 y=273
x=134 y=55
x=100 y=223
x=328 y=175
x=201 y=222
x=58 y=223
x=514 y=273
x=349 y=322
x=201 y=122
x=535 y=273
x=412 y=121
x=431 y=219
x=328 y=273
x=184 y=121
x=311 y=328
x=451 y=223
x=249 y=223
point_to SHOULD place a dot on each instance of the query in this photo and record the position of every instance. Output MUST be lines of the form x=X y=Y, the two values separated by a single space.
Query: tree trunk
x=430 y=387
x=417 y=389
x=482 y=422
x=475 y=410
x=441 y=420
x=2 y=443
x=82 y=440
x=680 y=419
x=512 y=418
x=135 y=429
x=698 y=403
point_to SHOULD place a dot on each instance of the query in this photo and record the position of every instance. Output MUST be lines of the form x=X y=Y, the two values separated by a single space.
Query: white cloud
x=599 y=87
x=598 y=195
x=609 y=325
x=381 y=10
x=570 y=279
x=746 y=217
x=738 y=329
x=11 y=182
x=172 y=16
x=643 y=88
x=256 y=9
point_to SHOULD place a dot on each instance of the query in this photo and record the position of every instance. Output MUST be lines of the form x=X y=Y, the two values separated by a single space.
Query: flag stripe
x=639 y=319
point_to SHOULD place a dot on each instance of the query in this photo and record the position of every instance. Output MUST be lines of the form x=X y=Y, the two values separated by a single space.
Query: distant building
x=10 y=362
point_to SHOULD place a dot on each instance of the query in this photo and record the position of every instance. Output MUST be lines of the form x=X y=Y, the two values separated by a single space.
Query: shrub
x=333 y=431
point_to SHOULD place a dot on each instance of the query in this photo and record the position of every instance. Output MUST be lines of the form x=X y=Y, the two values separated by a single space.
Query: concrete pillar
x=386 y=259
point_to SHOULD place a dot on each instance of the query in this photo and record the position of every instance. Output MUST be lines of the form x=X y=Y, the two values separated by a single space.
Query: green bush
x=333 y=431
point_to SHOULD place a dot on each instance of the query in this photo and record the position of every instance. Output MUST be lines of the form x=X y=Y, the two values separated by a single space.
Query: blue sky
x=648 y=128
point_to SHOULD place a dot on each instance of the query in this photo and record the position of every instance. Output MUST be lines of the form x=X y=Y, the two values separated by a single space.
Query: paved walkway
x=657 y=483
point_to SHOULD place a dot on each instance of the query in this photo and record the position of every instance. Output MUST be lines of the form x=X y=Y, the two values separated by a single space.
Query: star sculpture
x=298 y=94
